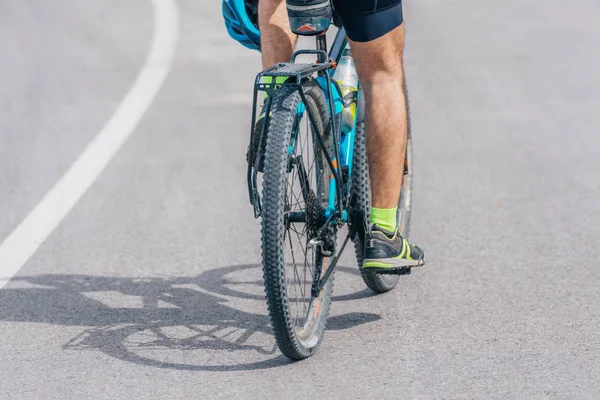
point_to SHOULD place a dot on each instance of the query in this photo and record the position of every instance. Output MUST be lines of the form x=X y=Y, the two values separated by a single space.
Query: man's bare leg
x=276 y=38
x=379 y=67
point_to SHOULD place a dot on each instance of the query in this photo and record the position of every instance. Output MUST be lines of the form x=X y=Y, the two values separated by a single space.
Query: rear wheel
x=295 y=195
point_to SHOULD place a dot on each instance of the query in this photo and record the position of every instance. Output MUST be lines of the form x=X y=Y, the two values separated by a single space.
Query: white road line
x=24 y=241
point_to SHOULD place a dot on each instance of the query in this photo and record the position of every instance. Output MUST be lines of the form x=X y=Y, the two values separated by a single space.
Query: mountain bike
x=315 y=182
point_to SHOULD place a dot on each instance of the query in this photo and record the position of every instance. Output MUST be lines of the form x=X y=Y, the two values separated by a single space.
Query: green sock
x=384 y=217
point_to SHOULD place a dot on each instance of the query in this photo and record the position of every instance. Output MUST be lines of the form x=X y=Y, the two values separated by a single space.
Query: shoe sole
x=391 y=265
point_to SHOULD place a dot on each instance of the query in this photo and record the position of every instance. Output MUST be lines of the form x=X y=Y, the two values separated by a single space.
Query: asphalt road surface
x=150 y=287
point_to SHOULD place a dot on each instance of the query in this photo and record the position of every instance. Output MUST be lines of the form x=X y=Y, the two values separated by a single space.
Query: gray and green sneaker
x=387 y=251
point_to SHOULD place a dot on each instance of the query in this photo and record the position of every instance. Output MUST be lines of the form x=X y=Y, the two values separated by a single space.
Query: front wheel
x=295 y=195
x=361 y=188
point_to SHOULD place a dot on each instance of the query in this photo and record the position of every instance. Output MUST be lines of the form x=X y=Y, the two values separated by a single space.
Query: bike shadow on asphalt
x=216 y=321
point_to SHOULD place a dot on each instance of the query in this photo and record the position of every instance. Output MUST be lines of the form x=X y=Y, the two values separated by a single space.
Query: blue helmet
x=241 y=20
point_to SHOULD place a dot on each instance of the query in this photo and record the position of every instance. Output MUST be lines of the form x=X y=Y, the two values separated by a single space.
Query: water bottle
x=346 y=76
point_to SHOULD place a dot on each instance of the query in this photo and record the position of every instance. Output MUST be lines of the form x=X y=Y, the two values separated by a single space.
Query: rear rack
x=296 y=72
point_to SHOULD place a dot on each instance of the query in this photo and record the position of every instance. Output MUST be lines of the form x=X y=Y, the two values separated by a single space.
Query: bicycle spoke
x=288 y=283
x=300 y=284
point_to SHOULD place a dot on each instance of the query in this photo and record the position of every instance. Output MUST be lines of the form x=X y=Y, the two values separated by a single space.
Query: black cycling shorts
x=366 y=20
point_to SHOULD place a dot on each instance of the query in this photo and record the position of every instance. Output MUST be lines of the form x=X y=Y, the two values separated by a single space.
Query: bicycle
x=315 y=181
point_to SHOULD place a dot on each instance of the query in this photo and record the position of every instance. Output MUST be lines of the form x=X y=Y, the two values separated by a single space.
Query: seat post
x=321 y=45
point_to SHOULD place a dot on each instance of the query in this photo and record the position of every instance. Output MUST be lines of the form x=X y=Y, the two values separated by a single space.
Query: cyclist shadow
x=185 y=323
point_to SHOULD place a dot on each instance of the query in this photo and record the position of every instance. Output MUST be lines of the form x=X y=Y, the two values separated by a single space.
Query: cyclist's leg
x=376 y=33
x=276 y=38
x=276 y=45
x=379 y=66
